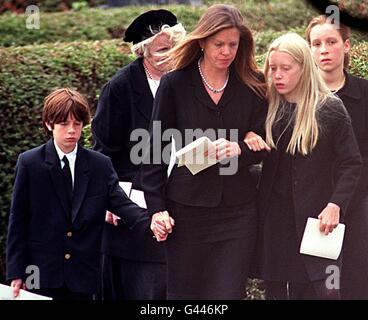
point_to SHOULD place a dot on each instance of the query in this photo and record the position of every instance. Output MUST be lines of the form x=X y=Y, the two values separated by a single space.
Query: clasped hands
x=161 y=225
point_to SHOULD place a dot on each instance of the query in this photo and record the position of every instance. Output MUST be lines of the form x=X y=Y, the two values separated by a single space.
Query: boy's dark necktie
x=68 y=178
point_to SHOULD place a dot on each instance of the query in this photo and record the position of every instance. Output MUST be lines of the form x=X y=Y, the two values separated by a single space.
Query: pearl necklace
x=208 y=85
x=155 y=81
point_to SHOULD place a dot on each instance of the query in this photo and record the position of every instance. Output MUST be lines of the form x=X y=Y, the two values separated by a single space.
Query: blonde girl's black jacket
x=329 y=173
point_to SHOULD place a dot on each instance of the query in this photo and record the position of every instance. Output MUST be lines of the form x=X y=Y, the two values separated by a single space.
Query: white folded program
x=316 y=243
x=193 y=155
x=137 y=196
x=6 y=293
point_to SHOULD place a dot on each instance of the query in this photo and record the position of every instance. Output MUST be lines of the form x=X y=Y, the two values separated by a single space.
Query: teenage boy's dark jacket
x=63 y=240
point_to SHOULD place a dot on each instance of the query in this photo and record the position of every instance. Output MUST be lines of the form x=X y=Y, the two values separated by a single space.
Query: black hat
x=139 y=29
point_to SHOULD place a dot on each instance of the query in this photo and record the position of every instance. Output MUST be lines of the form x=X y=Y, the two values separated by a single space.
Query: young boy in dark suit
x=60 y=196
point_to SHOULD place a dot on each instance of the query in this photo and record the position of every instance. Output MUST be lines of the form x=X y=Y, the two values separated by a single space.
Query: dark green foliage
x=92 y=24
x=47 y=5
x=359 y=60
x=268 y=20
x=99 y=24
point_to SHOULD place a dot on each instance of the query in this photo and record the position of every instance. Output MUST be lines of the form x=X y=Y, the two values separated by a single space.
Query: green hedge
x=47 y=5
x=100 y=24
x=29 y=73
x=91 y=24
x=65 y=27
x=267 y=20
x=359 y=60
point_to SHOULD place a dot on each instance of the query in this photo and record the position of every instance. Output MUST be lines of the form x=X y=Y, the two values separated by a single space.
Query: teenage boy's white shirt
x=71 y=156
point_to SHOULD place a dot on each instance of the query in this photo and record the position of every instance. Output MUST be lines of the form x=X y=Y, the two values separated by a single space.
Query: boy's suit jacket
x=63 y=242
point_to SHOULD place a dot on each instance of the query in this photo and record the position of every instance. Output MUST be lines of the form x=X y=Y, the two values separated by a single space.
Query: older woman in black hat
x=133 y=264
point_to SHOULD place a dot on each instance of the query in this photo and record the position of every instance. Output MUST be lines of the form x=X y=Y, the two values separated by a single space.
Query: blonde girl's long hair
x=217 y=18
x=311 y=93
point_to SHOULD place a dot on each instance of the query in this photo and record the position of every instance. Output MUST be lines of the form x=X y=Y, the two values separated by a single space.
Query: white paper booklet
x=172 y=156
x=126 y=186
x=6 y=293
x=192 y=155
x=137 y=196
x=316 y=243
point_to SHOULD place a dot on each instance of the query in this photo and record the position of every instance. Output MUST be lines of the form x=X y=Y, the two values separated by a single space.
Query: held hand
x=329 y=218
x=161 y=225
x=17 y=284
x=111 y=218
x=224 y=149
x=255 y=142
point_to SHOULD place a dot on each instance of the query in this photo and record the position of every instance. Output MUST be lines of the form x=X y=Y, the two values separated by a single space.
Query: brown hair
x=343 y=30
x=217 y=18
x=61 y=103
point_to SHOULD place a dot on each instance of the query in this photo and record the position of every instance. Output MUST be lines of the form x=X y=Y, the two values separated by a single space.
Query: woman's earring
x=202 y=49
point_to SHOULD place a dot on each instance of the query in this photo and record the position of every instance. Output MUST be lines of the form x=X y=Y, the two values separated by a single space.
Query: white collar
x=69 y=155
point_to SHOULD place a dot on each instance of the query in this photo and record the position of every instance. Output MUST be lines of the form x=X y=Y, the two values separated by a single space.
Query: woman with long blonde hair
x=311 y=137
x=215 y=90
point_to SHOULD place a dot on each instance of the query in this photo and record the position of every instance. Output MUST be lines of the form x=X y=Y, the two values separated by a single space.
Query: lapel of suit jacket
x=142 y=91
x=81 y=178
x=54 y=166
x=233 y=86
